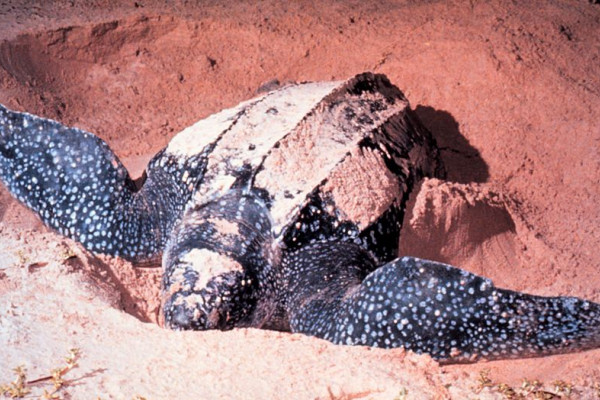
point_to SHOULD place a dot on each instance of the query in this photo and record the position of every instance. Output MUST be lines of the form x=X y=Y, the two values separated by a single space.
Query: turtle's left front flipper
x=78 y=186
x=428 y=307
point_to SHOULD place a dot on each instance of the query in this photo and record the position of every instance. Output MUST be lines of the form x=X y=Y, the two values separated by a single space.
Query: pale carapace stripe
x=284 y=133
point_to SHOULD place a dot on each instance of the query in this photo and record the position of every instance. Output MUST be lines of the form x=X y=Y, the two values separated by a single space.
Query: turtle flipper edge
x=78 y=186
x=431 y=308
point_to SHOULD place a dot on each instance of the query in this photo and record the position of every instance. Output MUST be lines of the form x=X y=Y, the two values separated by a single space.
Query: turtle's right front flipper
x=78 y=186
x=427 y=307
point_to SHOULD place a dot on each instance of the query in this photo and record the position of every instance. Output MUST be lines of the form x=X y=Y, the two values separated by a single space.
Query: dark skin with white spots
x=229 y=260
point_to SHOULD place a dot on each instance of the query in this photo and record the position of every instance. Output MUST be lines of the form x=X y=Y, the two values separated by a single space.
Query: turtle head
x=219 y=265
x=208 y=290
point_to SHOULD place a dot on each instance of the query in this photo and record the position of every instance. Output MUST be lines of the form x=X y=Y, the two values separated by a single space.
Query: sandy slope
x=511 y=93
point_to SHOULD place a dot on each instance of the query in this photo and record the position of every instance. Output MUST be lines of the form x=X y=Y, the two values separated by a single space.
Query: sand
x=510 y=92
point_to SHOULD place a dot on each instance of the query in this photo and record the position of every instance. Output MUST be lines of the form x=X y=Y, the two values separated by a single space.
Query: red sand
x=511 y=93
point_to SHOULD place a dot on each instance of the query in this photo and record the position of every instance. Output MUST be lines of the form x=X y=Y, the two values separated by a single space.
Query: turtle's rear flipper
x=431 y=308
x=79 y=187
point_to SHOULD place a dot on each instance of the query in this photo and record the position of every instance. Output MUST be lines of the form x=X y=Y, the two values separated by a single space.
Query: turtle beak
x=193 y=312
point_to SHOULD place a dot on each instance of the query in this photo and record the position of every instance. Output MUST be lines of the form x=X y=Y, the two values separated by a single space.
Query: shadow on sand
x=463 y=162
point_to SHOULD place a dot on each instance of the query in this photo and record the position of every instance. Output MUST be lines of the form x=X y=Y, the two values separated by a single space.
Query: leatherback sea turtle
x=284 y=212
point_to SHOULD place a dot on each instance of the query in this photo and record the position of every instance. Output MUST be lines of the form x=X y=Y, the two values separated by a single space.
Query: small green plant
x=402 y=394
x=483 y=381
x=563 y=387
x=18 y=387
x=529 y=389
x=23 y=259
x=507 y=391
x=67 y=253
x=21 y=387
